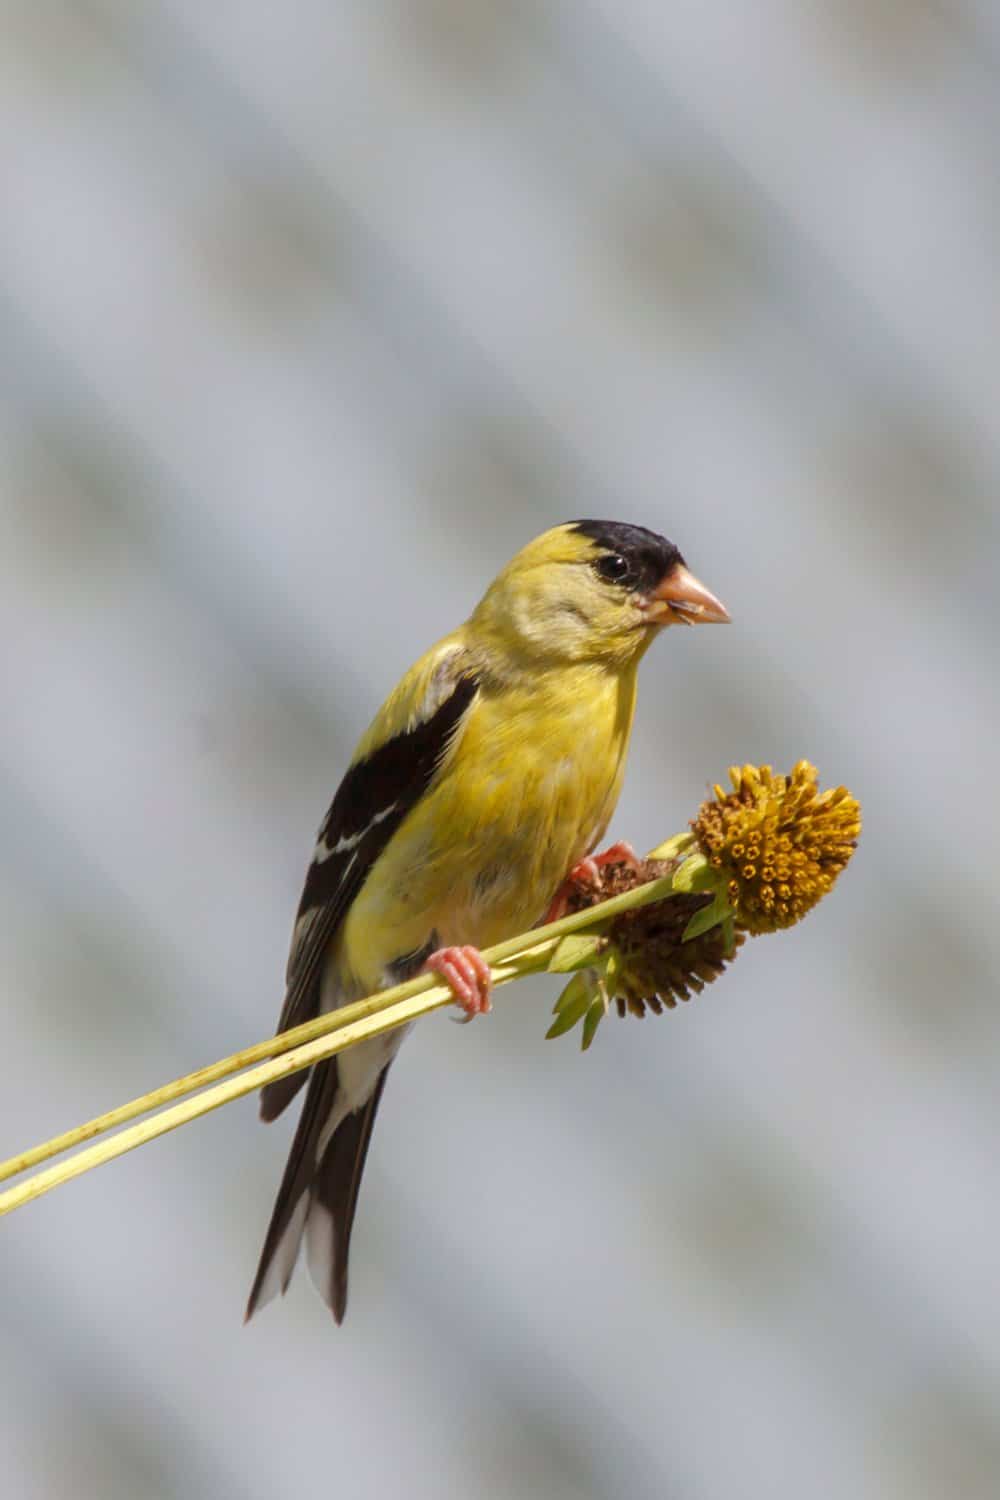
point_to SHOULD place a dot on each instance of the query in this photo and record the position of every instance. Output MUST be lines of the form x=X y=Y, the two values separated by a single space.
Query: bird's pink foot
x=467 y=975
x=587 y=872
x=621 y=853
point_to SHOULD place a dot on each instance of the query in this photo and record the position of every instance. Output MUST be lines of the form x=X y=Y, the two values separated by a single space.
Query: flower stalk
x=756 y=859
x=250 y=1069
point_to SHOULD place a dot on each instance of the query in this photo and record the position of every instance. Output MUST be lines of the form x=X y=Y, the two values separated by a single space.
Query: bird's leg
x=467 y=974
x=587 y=872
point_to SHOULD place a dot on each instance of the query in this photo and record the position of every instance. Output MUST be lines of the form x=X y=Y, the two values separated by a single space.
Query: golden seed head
x=779 y=842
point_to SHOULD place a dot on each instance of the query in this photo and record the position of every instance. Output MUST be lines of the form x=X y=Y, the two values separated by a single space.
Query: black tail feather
x=276 y=1096
x=332 y=1186
x=335 y=1188
x=299 y=1170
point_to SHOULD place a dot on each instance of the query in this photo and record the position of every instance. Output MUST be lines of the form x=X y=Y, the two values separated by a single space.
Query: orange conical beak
x=680 y=598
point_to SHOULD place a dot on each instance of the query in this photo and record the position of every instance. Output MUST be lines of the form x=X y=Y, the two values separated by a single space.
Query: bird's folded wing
x=395 y=764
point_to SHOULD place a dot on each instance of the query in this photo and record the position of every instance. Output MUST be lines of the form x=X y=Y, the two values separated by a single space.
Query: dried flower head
x=643 y=961
x=656 y=966
x=778 y=842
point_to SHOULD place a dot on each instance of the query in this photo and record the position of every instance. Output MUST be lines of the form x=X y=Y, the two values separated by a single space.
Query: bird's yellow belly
x=483 y=854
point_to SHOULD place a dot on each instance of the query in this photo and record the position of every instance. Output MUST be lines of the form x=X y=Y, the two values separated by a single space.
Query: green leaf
x=572 y=1004
x=595 y=1015
x=575 y=951
x=710 y=915
x=695 y=874
x=581 y=984
x=673 y=848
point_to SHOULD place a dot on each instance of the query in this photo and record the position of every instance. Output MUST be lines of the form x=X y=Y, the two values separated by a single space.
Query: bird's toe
x=467 y=975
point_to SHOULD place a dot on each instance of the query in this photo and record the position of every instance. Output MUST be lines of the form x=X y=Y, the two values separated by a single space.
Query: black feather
x=371 y=802
x=336 y=1185
x=650 y=557
x=334 y=1182
x=299 y=1168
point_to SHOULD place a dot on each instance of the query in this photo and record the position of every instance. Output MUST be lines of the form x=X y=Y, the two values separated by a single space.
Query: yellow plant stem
x=293 y=1050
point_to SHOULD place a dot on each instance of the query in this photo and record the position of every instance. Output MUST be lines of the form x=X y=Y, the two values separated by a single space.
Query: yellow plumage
x=490 y=771
x=526 y=789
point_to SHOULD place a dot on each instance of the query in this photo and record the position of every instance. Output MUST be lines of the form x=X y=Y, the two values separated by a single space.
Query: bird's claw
x=467 y=974
x=621 y=853
x=587 y=873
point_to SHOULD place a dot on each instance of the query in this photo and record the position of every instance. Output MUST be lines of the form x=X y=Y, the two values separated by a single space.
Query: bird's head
x=593 y=590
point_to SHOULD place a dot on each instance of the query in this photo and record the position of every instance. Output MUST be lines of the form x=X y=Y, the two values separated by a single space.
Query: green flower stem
x=303 y=1046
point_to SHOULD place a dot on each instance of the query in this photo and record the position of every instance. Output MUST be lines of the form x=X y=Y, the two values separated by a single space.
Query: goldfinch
x=487 y=778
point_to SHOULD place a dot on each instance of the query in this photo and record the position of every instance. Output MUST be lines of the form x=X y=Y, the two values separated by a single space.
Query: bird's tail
x=318 y=1195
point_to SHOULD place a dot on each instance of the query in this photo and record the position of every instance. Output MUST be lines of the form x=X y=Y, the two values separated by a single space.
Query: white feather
x=320 y=1242
x=282 y=1264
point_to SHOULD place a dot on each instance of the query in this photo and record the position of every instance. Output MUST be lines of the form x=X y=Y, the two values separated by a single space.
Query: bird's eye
x=613 y=567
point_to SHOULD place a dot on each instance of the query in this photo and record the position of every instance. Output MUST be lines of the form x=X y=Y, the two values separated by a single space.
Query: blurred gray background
x=310 y=315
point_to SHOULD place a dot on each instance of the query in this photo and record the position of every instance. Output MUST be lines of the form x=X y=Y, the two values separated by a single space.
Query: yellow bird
x=483 y=784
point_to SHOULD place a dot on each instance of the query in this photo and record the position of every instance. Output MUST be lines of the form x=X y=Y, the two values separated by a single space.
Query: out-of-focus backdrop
x=310 y=316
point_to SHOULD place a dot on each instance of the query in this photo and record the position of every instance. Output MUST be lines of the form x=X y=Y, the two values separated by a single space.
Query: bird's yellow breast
x=527 y=789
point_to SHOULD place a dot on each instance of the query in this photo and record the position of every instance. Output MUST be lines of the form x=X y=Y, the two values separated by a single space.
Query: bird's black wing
x=371 y=802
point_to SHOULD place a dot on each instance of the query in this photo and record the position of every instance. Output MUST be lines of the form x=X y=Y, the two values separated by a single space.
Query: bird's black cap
x=649 y=556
